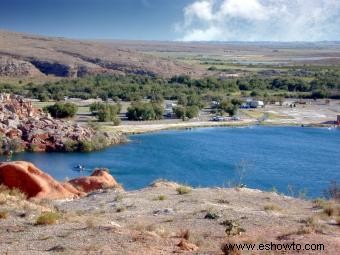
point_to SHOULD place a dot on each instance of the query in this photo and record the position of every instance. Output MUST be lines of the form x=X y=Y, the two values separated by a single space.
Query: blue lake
x=280 y=157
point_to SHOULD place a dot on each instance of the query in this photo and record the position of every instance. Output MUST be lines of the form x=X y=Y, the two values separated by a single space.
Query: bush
x=272 y=207
x=183 y=190
x=144 y=111
x=106 y=112
x=160 y=198
x=48 y=218
x=62 y=110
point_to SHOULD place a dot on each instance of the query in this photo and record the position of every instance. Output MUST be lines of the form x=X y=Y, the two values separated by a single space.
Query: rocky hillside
x=23 y=127
x=23 y=55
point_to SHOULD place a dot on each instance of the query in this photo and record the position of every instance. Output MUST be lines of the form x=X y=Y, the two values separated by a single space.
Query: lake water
x=287 y=158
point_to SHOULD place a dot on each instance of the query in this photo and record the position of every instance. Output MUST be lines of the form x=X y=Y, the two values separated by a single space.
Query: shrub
x=120 y=209
x=211 y=215
x=106 y=112
x=311 y=225
x=160 y=198
x=232 y=227
x=272 y=207
x=85 y=146
x=48 y=218
x=62 y=110
x=330 y=209
x=183 y=190
x=70 y=146
x=184 y=234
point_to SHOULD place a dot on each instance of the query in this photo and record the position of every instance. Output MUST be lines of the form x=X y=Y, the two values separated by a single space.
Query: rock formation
x=99 y=179
x=23 y=127
x=17 y=68
x=36 y=184
x=33 y=182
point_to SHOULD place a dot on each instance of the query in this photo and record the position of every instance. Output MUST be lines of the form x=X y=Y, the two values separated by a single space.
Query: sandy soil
x=154 y=221
x=137 y=127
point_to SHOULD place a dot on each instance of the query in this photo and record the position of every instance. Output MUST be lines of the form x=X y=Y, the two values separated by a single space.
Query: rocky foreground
x=22 y=127
x=164 y=218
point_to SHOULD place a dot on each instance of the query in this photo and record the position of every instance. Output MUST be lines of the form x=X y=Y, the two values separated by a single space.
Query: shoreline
x=151 y=128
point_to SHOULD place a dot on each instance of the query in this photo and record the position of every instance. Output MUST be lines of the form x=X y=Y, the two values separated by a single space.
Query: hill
x=25 y=55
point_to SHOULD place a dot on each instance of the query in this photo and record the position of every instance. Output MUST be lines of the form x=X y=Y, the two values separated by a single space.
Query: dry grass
x=331 y=209
x=182 y=190
x=272 y=207
x=184 y=234
x=12 y=192
x=311 y=225
x=228 y=249
x=4 y=214
x=48 y=218
x=319 y=203
x=160 y=198
x=337 y=220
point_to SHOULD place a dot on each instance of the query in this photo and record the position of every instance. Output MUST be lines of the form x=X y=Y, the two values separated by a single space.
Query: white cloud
x=199 y=34
x=200 y=9
x=246 y=9
x=261 y=20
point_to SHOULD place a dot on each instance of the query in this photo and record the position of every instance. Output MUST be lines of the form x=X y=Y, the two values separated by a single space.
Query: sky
x=180 y=20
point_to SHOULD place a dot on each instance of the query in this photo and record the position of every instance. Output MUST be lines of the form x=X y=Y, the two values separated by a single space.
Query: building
x=251 y=103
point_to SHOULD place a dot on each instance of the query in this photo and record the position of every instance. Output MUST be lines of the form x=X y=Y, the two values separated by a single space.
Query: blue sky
x=186 y=20
x=117 y=19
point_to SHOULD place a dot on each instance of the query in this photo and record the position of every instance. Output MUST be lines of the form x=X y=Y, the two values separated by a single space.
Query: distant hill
x=25 y=55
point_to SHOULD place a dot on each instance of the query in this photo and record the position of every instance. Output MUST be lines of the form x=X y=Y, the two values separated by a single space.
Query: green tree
x=106 y=112
x=144 y=111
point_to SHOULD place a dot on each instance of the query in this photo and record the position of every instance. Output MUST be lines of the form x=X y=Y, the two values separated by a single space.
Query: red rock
x=98 y=180
x=184 y=245
x=34 y=182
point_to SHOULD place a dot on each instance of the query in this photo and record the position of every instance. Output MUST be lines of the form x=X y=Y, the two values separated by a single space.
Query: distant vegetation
x=304 y=82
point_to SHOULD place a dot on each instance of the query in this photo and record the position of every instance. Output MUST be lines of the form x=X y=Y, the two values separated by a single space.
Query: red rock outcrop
x=98 y=180
x=23 y=127
x=34 y=182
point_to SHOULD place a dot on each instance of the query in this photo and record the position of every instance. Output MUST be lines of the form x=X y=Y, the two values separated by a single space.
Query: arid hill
x=24 y=55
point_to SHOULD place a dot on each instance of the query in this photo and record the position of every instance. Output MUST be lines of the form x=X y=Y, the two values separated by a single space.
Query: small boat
x=80 y=167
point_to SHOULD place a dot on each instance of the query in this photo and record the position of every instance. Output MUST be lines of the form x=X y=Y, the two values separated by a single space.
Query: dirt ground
x=155 y=220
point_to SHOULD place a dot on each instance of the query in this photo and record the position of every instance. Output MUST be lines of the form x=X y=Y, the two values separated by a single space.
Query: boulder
x=99 y=179
x=34 y=182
